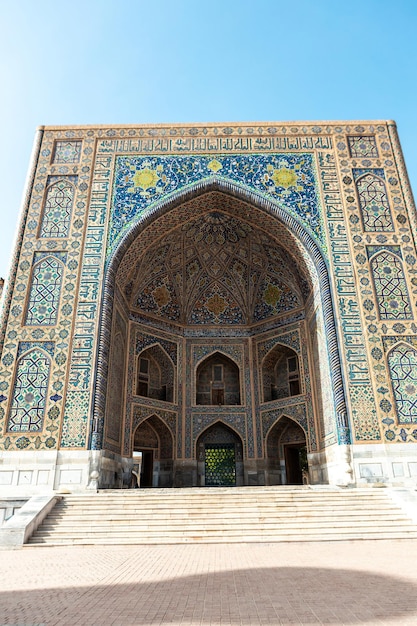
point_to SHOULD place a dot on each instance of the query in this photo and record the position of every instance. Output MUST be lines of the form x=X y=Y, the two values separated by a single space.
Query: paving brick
x=342 y=583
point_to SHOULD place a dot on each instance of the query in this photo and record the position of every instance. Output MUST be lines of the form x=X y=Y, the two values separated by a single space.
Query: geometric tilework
x=362 y=146
x=143 y=341
x=274 y=297
x=373 y=200
x=402 y=362
x=44 y=293
x=29 y=393
x=291 y=340
x=46 y=346
x=365 y=424
x=358 y=172
x=74 y=428
x=67 y=151
x=390 y=286
x=216 y=305
x=57 y=210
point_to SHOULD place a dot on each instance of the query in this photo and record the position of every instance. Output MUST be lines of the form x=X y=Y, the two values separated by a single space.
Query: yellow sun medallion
x=214 y=165
x=146 y=178
x=284 y=178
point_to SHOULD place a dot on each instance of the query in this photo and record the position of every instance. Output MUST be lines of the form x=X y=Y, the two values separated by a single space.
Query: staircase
x=224 y=515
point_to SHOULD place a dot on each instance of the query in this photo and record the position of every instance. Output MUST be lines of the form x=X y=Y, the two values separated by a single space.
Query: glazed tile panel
x=58 y=206
x=345 y=184
x=140 y=181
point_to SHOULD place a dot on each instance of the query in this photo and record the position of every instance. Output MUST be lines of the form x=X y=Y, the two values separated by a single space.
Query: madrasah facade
x=211 y=304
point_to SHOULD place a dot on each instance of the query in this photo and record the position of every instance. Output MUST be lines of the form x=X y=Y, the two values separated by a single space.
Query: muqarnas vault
x=232 y=304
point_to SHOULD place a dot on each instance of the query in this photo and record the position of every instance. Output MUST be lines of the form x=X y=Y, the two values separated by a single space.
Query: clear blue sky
x=137 y=61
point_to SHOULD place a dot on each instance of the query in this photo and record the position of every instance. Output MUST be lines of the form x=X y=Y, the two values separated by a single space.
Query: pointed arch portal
x=287 y=452
x=220 y=456
x=169 y=279
x=208 y=278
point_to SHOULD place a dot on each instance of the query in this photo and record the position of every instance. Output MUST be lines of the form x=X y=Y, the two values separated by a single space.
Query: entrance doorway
x=287 y=453
x=295 y=463
x=220 y=457
x=220 y=464
x=153 y=441
x=146 y=468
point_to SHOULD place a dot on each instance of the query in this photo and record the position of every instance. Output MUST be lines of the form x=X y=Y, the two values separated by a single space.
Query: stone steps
x=230 y=518
x=223 y=515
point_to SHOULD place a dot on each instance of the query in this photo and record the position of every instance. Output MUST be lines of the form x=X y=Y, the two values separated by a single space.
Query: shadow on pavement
x=297 y=595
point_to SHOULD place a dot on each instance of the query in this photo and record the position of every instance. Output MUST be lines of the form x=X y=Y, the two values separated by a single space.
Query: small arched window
x=280 y=374
x=218 y=381
x=402 y=362
x=155 y=375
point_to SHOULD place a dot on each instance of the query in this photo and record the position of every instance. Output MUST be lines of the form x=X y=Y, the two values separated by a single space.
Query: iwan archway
x=217 y=309
x=232 y=274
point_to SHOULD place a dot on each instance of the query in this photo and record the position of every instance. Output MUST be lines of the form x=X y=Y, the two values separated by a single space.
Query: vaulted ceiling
x=215 y=269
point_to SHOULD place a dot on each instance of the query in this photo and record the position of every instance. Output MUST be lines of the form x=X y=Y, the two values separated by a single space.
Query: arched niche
x=217 y=381
x=286 y=447
x=280 y=374
x=390 y=286
x=402 y=363
x=153 y=451
x=45 y=292
x=29 y=396
x=57 y=210
x=374 y=204
x=155 y=374
x=219 y=456
x=262 y=214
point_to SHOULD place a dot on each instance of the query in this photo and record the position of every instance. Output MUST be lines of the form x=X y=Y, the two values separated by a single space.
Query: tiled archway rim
x=191 y=196
x=296 y=230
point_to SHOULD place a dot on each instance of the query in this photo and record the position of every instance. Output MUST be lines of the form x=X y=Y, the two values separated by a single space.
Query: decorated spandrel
x=140 y=182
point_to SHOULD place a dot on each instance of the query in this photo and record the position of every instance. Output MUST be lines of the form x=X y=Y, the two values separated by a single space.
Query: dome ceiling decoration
x=216 y=269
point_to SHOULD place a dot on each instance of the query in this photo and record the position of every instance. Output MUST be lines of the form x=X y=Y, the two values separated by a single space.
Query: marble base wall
x=29 y=473
x=41 y=471
x=394 y=465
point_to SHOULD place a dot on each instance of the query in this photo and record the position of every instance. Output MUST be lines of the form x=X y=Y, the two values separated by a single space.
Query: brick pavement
x=372 y=583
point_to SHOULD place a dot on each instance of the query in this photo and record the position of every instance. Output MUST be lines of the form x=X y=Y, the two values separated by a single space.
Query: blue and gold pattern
x=289 y=179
